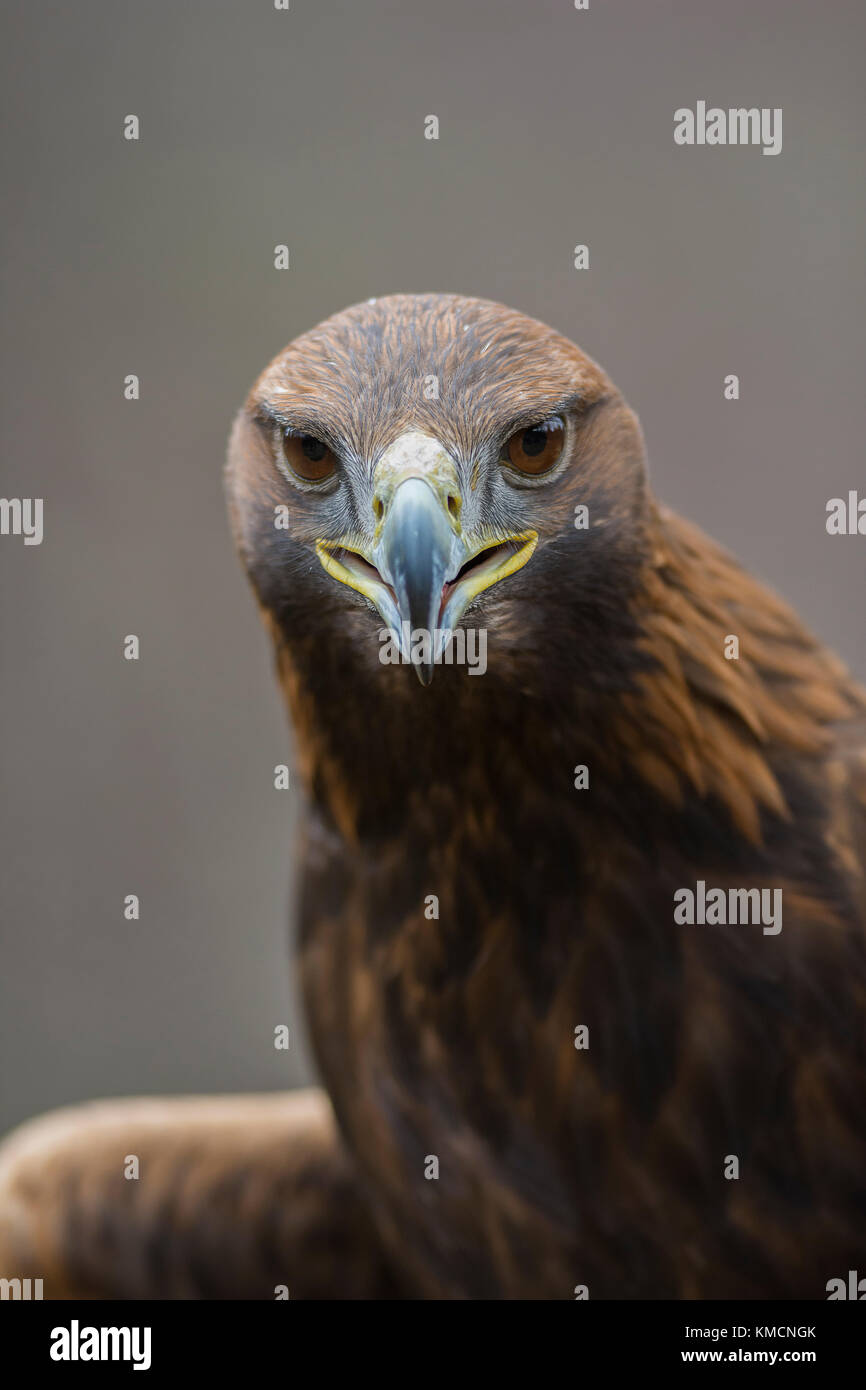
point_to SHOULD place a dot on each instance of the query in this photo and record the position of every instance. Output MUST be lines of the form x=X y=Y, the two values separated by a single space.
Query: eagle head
x=421 y=463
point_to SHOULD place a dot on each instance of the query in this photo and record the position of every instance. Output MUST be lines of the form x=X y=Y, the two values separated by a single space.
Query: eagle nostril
x=454 y=505
x=378 y=508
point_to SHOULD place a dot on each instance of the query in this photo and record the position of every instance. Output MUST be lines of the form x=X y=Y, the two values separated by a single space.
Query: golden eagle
x=581 y=922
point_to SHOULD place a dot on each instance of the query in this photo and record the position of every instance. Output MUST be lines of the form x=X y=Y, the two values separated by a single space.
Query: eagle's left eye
x=536 y=449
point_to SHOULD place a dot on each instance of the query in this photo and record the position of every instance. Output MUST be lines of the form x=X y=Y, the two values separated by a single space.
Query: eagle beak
x=420 y=569
x=417 y=553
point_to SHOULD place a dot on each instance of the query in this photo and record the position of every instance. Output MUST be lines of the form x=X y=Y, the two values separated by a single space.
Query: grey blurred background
x=156 y=258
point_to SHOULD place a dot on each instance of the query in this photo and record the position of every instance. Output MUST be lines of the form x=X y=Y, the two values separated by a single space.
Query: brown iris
x=308 y=456
x=537 y=449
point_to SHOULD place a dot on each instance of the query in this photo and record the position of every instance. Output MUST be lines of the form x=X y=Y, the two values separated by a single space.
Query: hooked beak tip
x=418 y=552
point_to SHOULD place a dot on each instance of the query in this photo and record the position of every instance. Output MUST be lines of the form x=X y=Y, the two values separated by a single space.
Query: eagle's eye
x=308 y=456
x=537 y=449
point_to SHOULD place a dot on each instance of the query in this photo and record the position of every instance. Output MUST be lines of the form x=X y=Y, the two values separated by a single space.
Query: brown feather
x=454 y=1037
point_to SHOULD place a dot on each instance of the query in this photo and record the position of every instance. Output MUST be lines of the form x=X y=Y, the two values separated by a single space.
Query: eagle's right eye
x=308 y=457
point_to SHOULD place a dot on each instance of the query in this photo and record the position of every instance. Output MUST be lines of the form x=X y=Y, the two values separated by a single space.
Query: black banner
x=78 y=1339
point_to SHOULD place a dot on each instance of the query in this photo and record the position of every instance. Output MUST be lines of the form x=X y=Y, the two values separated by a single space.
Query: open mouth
x=360 y=574
x=487 y=566
x=355 y=565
